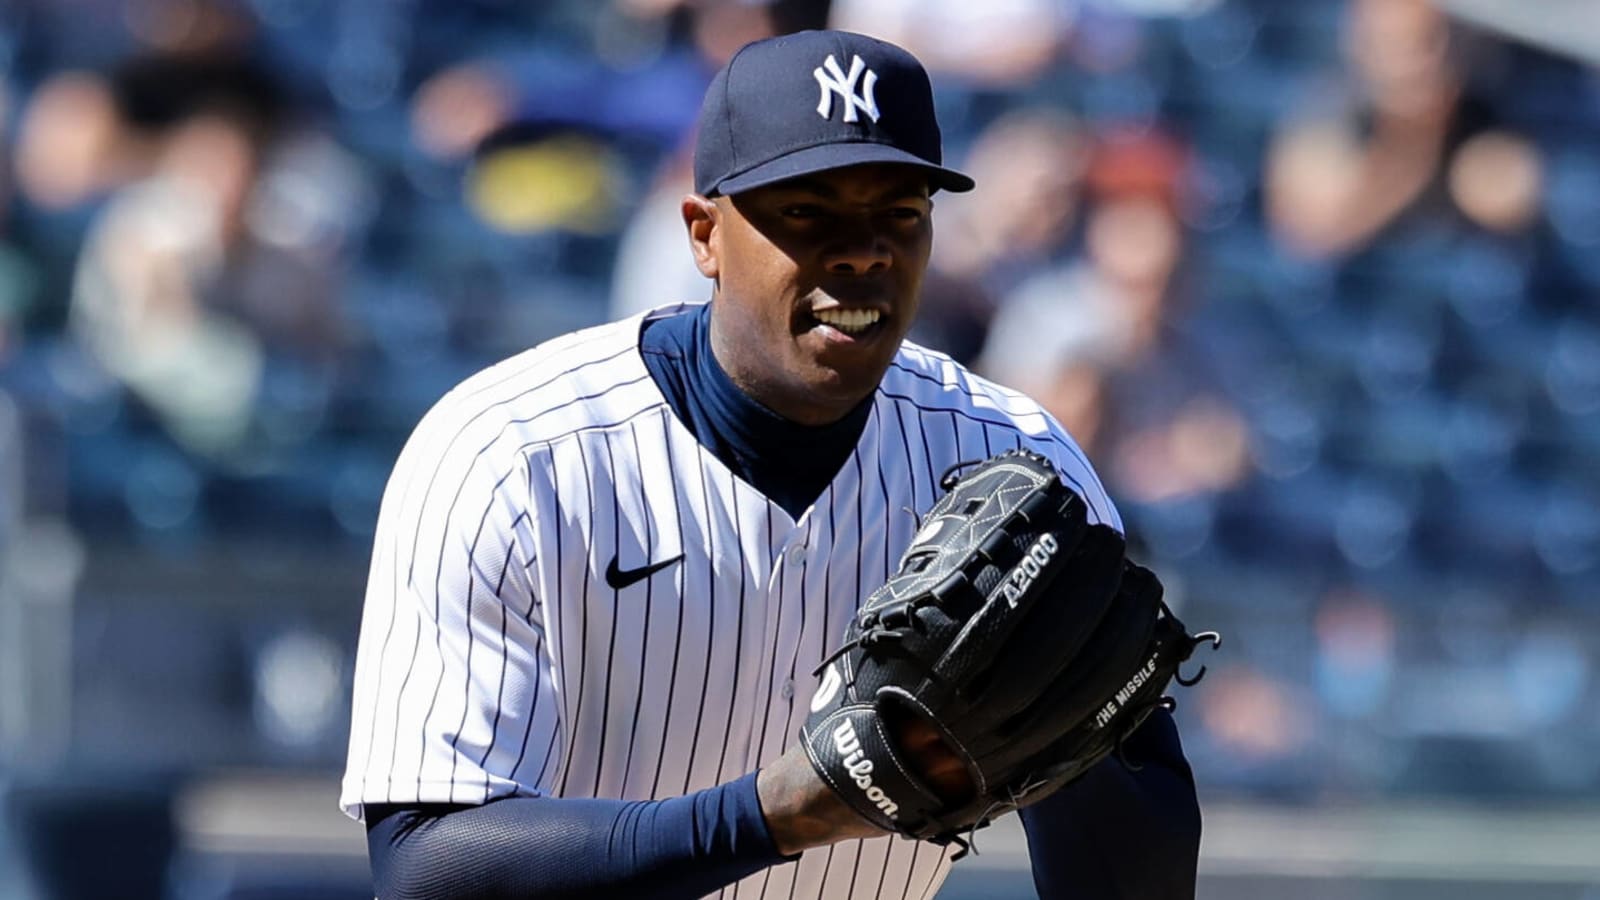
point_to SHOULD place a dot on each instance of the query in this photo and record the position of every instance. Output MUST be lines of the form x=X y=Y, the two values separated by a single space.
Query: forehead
x=866 y=183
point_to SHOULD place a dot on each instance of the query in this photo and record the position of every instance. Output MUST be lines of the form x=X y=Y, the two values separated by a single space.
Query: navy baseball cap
x=816 y=100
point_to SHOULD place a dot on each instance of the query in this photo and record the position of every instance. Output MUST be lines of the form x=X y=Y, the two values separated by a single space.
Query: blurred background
x=1315 y=284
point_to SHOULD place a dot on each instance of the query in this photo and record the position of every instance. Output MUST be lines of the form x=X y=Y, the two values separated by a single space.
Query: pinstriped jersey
x=570 y=596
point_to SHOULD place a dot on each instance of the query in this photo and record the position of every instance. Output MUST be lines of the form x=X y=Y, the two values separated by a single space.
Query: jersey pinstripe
x=495 y=659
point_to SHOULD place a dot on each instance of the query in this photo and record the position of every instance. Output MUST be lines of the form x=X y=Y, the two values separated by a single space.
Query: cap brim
x=836 y=156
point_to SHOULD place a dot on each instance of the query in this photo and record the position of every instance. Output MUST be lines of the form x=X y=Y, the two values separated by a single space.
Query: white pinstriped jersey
x=496 y=660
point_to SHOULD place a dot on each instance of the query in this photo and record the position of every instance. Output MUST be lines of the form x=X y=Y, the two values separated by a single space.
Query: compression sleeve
x=535 y=848
x=1120 y=832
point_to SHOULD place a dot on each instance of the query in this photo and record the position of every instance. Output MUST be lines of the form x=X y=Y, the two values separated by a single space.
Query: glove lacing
x=882 y=630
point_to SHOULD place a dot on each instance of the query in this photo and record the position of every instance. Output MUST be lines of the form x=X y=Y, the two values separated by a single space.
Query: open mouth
x=850 y=322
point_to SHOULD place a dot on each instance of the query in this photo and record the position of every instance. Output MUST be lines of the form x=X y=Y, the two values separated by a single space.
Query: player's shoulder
x=927 y=383
x=579 y=380
x=933 y=380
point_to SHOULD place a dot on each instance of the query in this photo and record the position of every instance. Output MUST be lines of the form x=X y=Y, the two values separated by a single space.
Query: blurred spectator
x=652 y=94
x=999 y=43
x=566 y=180
x=651 y=268
x=222 y=259
x=775 y=16
x=1101 y=339
x=1030 y=163
x=1355 y=660
x=718 y=28
x=1496 y=179
x=1407 y=133
x=76 y=141
x=458 y=107
x=71 y=145
x=1254 y=719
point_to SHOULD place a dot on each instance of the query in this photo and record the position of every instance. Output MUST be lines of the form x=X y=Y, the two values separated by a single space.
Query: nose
x=858 y=248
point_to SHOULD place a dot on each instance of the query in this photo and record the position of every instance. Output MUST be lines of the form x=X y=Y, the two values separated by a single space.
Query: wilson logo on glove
x=1016 y=583
x=827 y=690
x=860 y=768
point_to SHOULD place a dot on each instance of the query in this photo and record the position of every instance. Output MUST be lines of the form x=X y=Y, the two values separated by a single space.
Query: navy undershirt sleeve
x=1120 y=832
x=538 y=848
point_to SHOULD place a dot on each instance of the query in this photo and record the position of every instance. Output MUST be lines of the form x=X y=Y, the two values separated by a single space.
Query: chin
x=848 y=387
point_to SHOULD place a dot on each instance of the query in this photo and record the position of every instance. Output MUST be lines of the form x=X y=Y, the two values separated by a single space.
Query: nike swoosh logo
x=621 y=578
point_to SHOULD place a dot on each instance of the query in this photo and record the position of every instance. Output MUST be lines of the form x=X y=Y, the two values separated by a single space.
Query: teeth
x=848 y=320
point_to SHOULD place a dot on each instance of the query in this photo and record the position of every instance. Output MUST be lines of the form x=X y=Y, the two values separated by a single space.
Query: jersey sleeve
x=1040 y=432
x=1052 y=440
x=454 y=698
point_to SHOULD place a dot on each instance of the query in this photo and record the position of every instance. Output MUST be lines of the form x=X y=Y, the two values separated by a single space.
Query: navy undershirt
x=786 y=461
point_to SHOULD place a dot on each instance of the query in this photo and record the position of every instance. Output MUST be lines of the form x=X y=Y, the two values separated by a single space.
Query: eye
x=802 y=211
x=905 y=214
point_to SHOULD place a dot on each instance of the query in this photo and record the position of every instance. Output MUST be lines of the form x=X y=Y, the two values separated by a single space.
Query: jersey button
x=797 y=553
x=787 y=689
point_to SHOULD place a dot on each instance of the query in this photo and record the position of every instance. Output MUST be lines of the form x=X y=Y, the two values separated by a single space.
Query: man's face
x=817 y=280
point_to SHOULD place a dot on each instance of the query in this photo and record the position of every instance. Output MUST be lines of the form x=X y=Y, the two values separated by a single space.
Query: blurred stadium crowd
x=1315 y=284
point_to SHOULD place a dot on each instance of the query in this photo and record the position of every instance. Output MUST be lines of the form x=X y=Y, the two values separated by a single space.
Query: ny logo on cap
x=835 y=81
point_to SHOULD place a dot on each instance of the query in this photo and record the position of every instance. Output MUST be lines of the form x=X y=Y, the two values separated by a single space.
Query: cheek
x=752 y=262
x=921 y=250
x=766 y=285
x=759 y=297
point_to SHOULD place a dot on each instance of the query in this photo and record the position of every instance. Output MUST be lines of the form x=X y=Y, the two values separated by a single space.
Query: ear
x=701 y=217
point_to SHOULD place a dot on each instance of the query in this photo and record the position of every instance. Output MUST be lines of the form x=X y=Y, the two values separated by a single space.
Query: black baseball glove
x=1017 y=631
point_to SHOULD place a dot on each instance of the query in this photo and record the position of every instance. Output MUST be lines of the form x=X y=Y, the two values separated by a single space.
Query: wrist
x=803 y=812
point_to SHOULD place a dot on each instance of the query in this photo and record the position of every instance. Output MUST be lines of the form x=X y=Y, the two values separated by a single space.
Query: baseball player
x=606 y=569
